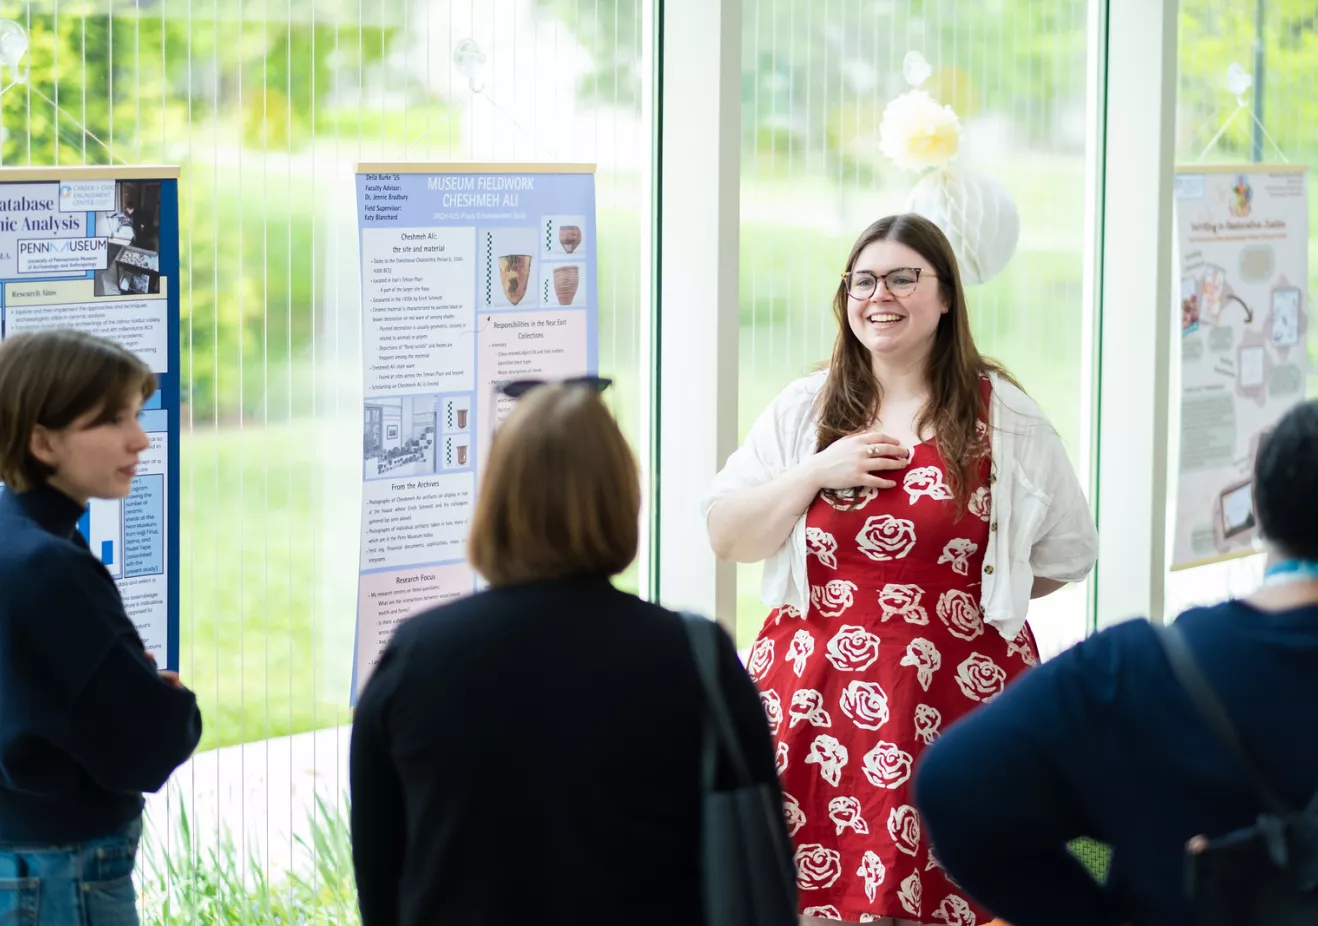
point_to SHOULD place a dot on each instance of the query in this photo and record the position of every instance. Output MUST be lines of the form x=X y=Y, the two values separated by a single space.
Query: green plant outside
x=182 y=884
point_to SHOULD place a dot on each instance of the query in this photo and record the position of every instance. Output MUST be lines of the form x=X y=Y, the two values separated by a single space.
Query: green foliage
x=610 y=30
x=268 y=599
x=184 y=885
x=1213 y=35
x=37 y=132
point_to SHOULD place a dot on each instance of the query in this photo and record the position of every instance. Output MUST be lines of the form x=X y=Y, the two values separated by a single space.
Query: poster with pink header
x=1242 y=292
x=472 y=275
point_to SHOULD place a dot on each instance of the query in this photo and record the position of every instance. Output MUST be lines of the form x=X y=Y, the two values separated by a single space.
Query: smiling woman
x=916 y=467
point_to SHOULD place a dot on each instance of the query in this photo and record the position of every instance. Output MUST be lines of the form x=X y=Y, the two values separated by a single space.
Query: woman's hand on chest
x=858 y=461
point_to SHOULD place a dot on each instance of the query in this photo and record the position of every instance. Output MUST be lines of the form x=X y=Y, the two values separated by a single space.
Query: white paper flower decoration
x=976 y=213
x=917 y=133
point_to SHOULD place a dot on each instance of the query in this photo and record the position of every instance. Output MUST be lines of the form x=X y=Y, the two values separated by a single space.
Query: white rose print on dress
x=980 y=503
x=833 y=597
x=903 y=601
x=849 y=499
x=829 y=912
x=793 y=814
x=761 y=658
x=923 y=656
x=960 y=612
x=853 y=649
x=887 y=765
x=817 y=867
x=980 y=678
x=1021 y=645
x=885 y=538
x=927 y=723
x=958 y=552
x=866 y=704
x=788 y=611
x=909 y=895
x=808 y=705
x=830 y=756
x=800 y=650
x=780 y=759
x=845 y=814
x=773 y=710
x=821 y=544
x=954 y=912
x=927 y=480
x=872 y=870
x=904 y=828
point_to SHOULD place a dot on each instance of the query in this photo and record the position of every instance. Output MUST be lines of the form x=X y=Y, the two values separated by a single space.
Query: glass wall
x=268 y=107
x=1277 y=43
x=816 y=78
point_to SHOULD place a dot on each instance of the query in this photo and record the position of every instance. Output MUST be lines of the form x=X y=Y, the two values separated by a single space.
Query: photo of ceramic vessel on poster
x=507 y=267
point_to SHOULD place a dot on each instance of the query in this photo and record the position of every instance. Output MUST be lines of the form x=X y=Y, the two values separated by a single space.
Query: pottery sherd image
x=514 y=272
x=566 y=280
x=569 y=236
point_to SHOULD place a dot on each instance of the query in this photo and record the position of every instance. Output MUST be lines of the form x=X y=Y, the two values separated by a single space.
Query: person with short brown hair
x=533 y=752
x=584 y=521
x=87 y=722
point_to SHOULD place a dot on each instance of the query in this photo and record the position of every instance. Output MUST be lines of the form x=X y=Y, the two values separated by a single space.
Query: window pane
x=268 y=107
x=816 y=79
x=1212 y=35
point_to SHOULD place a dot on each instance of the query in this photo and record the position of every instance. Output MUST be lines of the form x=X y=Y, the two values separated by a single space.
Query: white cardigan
x=1042 y=514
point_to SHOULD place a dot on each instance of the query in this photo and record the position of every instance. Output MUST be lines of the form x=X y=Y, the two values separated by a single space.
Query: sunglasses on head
x=516 y=388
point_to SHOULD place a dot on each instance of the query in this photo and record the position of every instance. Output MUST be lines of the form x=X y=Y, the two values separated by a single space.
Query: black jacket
x=532 y=754
x=86 y=723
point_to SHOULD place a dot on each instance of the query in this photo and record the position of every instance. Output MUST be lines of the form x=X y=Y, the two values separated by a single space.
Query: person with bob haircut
x=1105 y=741
x=87 y=723
x=532 y=752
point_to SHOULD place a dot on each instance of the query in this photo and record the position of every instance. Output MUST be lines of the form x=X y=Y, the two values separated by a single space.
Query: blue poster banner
x=96 y=249
x=472 y=274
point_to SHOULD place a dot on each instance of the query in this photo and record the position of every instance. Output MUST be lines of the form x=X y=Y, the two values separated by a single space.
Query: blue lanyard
x=1291 y=570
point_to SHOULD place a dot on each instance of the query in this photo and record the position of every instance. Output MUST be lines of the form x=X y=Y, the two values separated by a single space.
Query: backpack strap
x=1187 y=671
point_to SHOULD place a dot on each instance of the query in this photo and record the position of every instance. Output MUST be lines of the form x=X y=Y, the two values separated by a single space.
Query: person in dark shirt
x=1104 y=742
x=532 y=753
x=87 y=723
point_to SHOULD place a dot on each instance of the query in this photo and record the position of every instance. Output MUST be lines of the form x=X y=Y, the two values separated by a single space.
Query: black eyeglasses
x=900 y=281
x=516 y=388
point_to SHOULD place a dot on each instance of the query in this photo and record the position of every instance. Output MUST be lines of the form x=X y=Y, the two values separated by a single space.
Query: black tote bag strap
x=719 y=730
x=1187 y=671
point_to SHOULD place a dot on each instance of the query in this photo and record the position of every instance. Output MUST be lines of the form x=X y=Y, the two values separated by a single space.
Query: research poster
x=472 y=274
x=1243 y=237
x=96 y=249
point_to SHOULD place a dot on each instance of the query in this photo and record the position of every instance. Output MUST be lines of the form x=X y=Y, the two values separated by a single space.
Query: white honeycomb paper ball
x=977 y=215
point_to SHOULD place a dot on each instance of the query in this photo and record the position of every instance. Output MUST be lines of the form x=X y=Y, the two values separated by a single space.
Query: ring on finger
x=872 y=450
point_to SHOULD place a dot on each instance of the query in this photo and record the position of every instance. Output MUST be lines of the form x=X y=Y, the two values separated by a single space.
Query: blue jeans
x=88 y=884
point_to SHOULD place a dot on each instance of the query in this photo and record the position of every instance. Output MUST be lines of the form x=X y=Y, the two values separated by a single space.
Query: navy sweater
x=86 y=723
x=1103 y=741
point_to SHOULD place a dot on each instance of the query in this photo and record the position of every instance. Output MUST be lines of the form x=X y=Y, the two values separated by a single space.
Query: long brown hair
x=853 y=395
